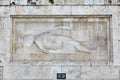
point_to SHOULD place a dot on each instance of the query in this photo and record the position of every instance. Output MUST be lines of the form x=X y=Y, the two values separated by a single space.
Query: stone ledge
x=72 y=72
x=59 y=2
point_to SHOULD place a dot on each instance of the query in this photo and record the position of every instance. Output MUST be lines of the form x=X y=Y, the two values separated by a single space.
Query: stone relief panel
x=60 y=39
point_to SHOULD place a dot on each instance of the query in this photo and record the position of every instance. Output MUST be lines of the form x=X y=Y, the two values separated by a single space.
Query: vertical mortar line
x=111 y=38
x=61 y=67
x=93 y=2
x=89 y=39
x=119 y=73
x=96 y=26
x=71 y=10
x=12 y=38
x=109 y=41
x=80 y=72
x=63 y=2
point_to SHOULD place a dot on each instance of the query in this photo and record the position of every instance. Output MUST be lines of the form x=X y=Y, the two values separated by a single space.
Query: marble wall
x=78 y=37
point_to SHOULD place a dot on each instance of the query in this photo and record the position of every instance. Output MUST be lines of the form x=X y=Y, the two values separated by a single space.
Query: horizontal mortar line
x=69 y=5
x=56 y=16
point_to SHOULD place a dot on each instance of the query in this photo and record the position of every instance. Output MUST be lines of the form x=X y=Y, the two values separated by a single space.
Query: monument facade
x=50 y=39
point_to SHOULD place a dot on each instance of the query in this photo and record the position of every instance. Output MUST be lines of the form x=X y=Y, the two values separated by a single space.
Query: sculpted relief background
x=60 y=39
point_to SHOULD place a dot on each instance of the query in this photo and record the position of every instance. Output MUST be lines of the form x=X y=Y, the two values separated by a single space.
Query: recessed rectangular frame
x=14 y=17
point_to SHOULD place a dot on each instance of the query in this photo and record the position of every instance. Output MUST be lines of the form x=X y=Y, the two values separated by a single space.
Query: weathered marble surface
x=73 y=72
x=76 y=69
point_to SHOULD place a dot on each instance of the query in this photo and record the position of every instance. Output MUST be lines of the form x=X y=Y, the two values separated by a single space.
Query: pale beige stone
x=109 y=73
x=72 y=72
x=100 y=73
x=90 y=72
x=100 y=65
x=41 y=41
x=54 y=71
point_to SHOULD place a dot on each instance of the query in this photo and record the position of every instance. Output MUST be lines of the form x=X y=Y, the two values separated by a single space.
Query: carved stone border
x=14 y=19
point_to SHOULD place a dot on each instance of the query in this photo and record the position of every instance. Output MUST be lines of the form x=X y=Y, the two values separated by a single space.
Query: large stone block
x=100 y=73
x=17 y=72
x=90 y=72
x=110 y=73
x=72 y=72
